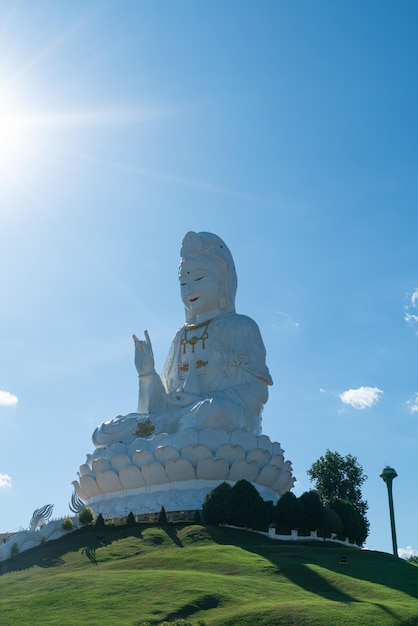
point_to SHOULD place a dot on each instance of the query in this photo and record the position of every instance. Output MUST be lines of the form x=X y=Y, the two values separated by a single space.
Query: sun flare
x=17 y=135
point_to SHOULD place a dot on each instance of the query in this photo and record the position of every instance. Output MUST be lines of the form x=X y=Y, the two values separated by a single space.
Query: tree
x=248 y=508
x=340 y=478
x=355 y=526
x=162 y=517
x=216 y=507
x=290 y=513
x=314 y=510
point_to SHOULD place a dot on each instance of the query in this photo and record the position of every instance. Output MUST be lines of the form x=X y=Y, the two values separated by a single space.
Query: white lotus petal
x=120 y=460
x=79 y=491
x=131 y=477
x=179 y=469
x=163 y=439
x=89 y=486
x=154 y=474
x=262 y=457
x=212 y=469
x=142 y=457
x=185 y=438
x=265 y=443
x=244 y=439
x=100 y=465
x=164 y=453
x=247 y=470
x=140 y=443
x=195 y=454
x=85 y=470
x=108 y=481
x=268 y=475
x=230 y=453
x=277 y=459
x=213 y=438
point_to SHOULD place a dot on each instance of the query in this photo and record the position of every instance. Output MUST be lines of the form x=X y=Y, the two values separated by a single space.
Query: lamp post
x=388 y=474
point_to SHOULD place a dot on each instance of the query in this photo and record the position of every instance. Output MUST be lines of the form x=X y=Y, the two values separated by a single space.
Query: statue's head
x=207 y=263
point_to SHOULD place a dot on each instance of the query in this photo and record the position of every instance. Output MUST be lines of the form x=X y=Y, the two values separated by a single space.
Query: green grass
x=223 y=576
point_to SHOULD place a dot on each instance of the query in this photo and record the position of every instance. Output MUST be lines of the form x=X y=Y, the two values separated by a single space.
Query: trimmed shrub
x=100 y=523
x=67 y=523
x=130 y=520
x=86 y=516
x=14 y=549
x=216 y=507
x=290 y=513
x=248 y=508
x=314 y=510
x=162 y=516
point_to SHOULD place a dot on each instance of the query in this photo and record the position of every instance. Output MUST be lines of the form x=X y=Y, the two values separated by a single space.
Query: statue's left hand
x=144 y=357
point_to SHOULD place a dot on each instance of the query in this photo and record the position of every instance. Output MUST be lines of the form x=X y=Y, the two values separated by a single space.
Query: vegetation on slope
x=224 y=577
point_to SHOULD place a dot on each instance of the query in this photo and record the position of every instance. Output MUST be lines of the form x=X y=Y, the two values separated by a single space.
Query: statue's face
x=201 y=285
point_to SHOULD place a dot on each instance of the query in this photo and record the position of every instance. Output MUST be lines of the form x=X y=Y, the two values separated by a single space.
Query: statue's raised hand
x=144 y=357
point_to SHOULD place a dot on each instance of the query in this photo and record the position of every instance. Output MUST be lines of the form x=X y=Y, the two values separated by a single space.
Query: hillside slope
x=224 y=577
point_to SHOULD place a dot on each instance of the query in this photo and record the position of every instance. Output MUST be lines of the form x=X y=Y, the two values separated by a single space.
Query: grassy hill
x=222 y=577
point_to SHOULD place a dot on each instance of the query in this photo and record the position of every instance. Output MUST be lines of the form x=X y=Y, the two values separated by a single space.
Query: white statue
x=215 y=374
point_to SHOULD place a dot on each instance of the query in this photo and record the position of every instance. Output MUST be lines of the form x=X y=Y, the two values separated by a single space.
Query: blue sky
x=287 y=128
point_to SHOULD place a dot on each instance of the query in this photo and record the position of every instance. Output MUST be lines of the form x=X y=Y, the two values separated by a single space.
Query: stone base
x=177 y=471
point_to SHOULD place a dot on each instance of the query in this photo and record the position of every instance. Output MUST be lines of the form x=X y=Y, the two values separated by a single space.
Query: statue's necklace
x=195 y=338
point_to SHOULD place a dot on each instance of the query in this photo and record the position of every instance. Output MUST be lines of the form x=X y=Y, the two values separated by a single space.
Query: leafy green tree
x=355 y=527
x=216 y=507
x=197 y=518
x=338 y=477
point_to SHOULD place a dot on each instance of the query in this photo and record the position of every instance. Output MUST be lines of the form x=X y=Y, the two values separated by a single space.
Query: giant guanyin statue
x=204 y=409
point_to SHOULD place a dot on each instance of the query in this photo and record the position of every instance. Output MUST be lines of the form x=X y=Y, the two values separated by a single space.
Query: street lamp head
x=388 y=474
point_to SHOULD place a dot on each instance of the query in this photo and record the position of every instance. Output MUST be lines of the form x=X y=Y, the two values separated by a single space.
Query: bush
x=355 y=526
x=14 y=549
x=248 y=508
x=290 y=513
x=314 y=510
x=130 y=520
x=162 y=516
x=86 y=516
x=197 y=518
x=67 y=523
x=216 y=505
x=100 y=523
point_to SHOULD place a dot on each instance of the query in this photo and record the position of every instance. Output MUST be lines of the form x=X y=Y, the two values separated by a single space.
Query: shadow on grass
x=50 y=554
x=294 y=561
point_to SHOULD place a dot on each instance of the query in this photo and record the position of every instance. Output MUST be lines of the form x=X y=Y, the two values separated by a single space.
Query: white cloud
x=413 y=404
x=7 y=398
x=404 y=553
x=361 y=398
x=409 y=316
x=285 y=321
x=5 y=481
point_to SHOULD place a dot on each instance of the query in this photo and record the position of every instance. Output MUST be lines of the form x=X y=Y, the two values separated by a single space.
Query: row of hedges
x=242 y=505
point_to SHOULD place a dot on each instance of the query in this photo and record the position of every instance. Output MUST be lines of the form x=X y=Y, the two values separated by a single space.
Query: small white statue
x=215 y=373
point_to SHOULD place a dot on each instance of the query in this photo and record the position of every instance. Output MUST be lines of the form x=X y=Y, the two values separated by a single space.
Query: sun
x=18 y=134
